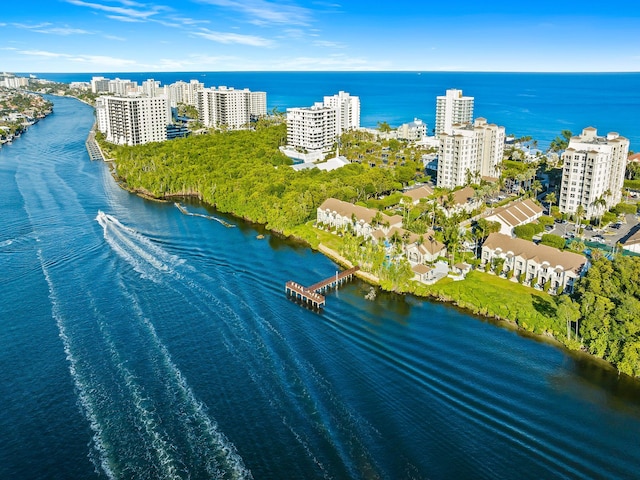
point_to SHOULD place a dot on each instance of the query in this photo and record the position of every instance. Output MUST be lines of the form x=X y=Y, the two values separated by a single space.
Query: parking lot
x=610 y=235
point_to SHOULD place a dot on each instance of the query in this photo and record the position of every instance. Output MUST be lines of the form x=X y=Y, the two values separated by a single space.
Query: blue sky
x=240 y=35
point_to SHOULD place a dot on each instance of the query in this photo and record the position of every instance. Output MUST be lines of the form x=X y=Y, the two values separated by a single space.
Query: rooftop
x=568 y=261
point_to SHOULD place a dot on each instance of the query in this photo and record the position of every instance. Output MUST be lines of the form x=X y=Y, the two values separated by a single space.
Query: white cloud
x=64 y=31
x=31 y=27
x=122 y=18
x=42 y=53
x=328 y=44
x=225 y=37
x=188 y=21
x=99 y=60
x=114 y=37
x=263 y=12
x=129 y=9
x=103 y=60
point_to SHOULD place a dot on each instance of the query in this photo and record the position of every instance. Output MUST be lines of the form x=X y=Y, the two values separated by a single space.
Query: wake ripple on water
x=324 y=427
x=189 y=424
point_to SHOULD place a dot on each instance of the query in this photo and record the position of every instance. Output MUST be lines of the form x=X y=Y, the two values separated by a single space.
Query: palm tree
x=599 y=203
x=550 y=198
x=579 y=215
x=536 y=187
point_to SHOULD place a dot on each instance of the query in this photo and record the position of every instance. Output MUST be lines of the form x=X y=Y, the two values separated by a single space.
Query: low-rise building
x=416 y=194
x=364 y=221
x=463 y=201
x=537 y=263
x=515 y=214
x=413 y=131
x=632 y=243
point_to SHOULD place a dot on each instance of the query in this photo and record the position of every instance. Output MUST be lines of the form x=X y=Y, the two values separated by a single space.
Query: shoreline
x=374 y=281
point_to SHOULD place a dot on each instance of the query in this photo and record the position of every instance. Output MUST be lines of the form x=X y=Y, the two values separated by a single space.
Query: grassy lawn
x=316 y=236
x=480 y=293
x=487 y=294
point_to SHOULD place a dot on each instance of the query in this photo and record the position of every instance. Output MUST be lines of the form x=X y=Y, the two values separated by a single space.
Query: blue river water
x=140 y=342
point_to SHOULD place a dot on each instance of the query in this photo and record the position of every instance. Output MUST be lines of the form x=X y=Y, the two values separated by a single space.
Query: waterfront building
x=132 y=120
x=9 y=80
x=363 y=221
x=537 y=263
x=413 y=131
x=515 y=214
x=311 y=128
x=452 y=109
x=229 y=107
x=258 y=104
x=469 y=152
x=347 y=111
x=593 y=172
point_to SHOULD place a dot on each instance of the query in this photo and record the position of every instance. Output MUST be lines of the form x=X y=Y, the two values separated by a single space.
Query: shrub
x=552 y=240
x=545 y=220
x=625 y=208
x=608 y=217
x=525 y=232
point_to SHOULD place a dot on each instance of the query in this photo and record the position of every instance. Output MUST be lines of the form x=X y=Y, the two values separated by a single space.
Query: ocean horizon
x=537 y=104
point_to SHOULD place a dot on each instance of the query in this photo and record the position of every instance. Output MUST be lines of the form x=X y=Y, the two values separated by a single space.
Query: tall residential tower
x=593 y=172
x=469 y=152
x=451 y=109
x=132 y=120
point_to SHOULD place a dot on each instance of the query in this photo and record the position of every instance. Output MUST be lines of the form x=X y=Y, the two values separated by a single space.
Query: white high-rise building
x=258 y=104
x=452 y=109
x=311 y=128
x=123 y=87
x=347 y=111
x=469 y=152
x=183 y=92
x=151 y=87
x=229 y=107
x=132 y=120
x=99 y=84
x=593 y=169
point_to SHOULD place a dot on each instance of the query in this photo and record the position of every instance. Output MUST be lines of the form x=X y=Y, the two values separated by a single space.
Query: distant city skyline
x=307 y=35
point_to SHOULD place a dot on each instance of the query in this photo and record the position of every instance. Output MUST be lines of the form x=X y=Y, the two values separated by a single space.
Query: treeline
x=608 y=312
x=243 y=172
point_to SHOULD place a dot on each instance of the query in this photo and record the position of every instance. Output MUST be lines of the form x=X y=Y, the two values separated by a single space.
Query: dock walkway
x=310 y=295
x=95 y=153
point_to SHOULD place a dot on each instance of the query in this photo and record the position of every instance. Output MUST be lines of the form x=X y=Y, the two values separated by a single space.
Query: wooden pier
x=310 y=295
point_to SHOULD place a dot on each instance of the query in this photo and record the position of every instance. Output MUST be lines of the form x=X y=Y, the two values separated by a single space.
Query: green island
x=243 y=173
